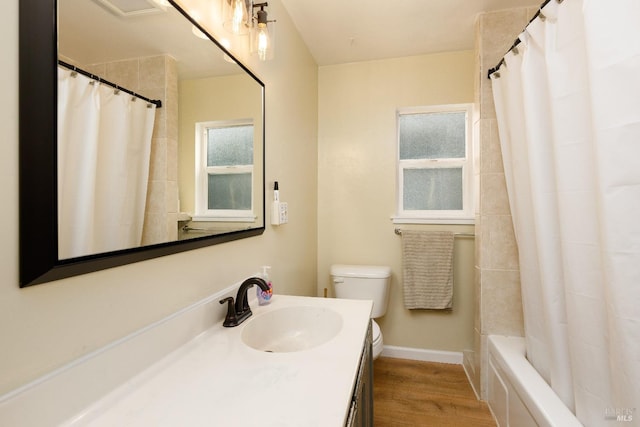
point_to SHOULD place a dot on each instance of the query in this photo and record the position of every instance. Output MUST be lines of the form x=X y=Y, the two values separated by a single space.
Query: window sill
x=409 y=220
x=202 y=218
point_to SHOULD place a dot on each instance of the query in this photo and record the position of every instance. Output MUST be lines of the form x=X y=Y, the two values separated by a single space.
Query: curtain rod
x=517 y=41
x=156 y=102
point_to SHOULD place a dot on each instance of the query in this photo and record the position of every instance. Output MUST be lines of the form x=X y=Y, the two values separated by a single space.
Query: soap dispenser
x=264 y=297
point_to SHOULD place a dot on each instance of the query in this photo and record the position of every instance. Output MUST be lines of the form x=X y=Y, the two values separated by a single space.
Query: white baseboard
x=470 y=370
x=424 y=355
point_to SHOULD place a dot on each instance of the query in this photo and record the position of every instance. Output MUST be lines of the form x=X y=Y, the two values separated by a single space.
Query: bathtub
x=517 y=395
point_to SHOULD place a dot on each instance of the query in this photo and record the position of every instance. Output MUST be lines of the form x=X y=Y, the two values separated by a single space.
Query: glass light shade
x=196 y=32
x=236 y=16
x=262 y=41
x=227 y=45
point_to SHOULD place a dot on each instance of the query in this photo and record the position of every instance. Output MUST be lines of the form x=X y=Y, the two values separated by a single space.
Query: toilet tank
x=363 y=282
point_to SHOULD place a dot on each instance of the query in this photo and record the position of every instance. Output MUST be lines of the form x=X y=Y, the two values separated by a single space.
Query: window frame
x=202 y=171
x=462 y=216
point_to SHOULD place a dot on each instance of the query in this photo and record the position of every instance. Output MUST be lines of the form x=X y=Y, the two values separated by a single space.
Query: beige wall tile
x=160 y=125
x=124 y=73
x=477 y=297
x=172 y=159
x=493 y=194
x=498 y=32
x=156 y=197
x=490 y=150
x=478 y=241
x=501 y=302
x=155 y=228
x=171 y=198
x=97 y=69
x=152 y=73
x=172 y=227
x=158 y=166
x=498 y=244
x=487 y=107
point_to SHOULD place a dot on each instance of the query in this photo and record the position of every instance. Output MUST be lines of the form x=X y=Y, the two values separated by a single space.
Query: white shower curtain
x=568 y=110
x=104 y=146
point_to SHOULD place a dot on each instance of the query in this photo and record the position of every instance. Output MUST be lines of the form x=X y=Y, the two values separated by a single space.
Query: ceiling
x=340 y=31
x=336 y=31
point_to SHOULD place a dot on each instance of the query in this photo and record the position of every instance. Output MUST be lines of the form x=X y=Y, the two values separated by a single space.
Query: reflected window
x=224 y=170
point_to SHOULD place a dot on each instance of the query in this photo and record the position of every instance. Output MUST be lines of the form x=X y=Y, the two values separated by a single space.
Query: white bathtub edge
x=540 y=400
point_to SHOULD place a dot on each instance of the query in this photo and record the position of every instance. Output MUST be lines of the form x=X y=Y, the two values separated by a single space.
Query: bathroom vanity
x=298 y=361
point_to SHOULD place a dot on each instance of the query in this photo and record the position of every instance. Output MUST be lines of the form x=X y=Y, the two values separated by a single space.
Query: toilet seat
x=377 y=339
x=375 y=330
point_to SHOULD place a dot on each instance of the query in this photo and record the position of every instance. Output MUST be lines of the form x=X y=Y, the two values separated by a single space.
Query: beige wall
x=357 y=178
x=45 y=326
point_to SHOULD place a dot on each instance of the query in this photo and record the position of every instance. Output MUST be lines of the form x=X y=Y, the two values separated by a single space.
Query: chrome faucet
x=238 y=313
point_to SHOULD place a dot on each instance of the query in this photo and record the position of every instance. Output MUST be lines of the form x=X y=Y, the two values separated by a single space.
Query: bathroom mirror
x=161 y=53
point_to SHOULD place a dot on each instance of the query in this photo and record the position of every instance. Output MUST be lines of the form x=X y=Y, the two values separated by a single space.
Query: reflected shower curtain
x=104 y=146
x=568 y=111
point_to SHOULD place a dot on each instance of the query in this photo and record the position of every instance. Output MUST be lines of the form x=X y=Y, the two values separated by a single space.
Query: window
x=224 y=171
x=435 y=176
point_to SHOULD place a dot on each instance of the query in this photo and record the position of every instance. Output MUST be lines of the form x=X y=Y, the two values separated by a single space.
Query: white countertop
x=217 y=380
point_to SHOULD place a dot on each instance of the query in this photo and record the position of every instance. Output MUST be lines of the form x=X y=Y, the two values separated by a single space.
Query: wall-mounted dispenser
x=279 y=210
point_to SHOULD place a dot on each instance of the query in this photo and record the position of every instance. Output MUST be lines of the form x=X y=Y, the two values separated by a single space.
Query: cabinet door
x=361 y=411
x=353 y=415
x=366 y=380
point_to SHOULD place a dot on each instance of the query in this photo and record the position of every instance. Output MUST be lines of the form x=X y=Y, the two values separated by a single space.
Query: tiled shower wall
x=155 y=77
x=497 y=276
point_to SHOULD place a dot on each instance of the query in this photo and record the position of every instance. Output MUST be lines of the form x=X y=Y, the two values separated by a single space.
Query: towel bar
x=399 y=232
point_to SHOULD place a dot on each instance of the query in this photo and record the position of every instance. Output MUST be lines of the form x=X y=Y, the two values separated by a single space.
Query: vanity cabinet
x=361 y=409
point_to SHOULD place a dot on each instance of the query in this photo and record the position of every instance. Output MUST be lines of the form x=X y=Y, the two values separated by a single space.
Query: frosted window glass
x=432 y=135
x=433 y=189
x=230 y=146
x=230 y=191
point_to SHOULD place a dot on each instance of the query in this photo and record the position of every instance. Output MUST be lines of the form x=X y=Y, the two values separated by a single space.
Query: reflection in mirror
x=136 y=180
x=128 y=191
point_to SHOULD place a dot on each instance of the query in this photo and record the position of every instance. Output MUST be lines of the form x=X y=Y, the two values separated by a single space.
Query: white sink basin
x=291 y=329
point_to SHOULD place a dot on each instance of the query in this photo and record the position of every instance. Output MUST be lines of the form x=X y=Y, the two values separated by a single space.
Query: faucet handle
x=231 y=319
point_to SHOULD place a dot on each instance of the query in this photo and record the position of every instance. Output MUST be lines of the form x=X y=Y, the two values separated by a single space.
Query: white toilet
x=365 y=282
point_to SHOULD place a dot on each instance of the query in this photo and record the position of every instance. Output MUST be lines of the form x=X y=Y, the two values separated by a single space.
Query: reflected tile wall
x=155 y=77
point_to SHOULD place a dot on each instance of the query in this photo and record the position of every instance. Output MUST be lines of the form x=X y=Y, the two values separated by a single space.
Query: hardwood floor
x=414 y=393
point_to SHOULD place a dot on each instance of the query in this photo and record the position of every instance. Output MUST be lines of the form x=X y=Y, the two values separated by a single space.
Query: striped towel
x=427 y=265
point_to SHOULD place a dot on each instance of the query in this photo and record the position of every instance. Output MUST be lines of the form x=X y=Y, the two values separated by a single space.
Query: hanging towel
x=427 y=258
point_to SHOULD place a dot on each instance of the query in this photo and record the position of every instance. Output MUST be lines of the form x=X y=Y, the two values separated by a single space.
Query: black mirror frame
x=38 y=199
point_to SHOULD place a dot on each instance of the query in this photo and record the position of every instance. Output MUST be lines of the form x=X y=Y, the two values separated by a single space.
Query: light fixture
x=262 y=34
x=164 y=3
x=236 y=16
x=198 y=33
x=227 y=45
